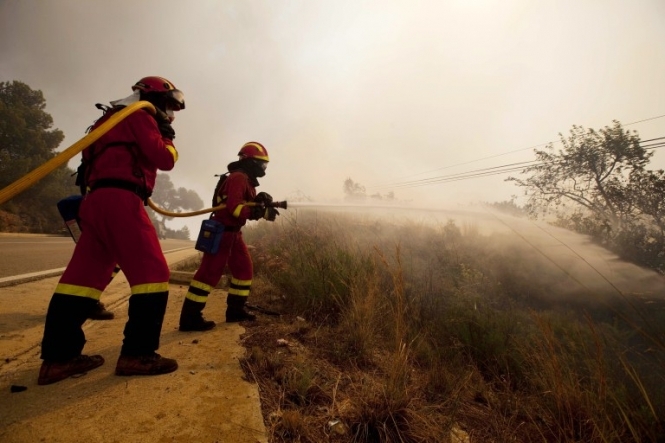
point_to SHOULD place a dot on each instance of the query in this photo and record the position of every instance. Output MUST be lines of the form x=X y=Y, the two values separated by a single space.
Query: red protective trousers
x=115 y=229
x=232 y=252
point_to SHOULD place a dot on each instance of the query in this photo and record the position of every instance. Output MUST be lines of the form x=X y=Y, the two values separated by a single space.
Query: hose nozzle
x=281 y=205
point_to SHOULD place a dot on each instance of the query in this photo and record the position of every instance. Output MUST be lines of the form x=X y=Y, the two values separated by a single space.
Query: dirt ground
x=206 y=400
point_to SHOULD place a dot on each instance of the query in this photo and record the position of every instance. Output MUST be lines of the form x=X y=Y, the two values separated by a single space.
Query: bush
x=438 y=324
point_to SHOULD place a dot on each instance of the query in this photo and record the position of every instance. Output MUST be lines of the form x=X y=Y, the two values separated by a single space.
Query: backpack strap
x=83 y=171
x=218 y=188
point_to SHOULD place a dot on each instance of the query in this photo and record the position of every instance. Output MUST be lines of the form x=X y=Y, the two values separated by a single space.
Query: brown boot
x=100 y=313
x=152 y=364
x=52 y=371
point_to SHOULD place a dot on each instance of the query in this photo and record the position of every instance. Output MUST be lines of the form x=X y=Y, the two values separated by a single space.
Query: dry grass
x=409 y=333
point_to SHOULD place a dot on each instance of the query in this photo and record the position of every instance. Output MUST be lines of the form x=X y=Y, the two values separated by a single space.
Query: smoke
x=374 y=90
x=579 y=270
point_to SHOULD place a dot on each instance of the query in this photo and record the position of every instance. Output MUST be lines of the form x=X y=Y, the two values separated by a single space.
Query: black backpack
x=218 y=187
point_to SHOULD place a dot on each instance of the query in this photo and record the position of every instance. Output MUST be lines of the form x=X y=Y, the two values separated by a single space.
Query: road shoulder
x=206 y=400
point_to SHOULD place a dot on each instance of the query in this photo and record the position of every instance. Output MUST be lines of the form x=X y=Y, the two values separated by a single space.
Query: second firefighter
x=237 y=190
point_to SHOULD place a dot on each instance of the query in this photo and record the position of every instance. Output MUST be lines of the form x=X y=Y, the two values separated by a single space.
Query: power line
x=461 y=175
x=470 y=161
x=509 y=152
x=645 y=120
x=447 y=179
x=485 y=172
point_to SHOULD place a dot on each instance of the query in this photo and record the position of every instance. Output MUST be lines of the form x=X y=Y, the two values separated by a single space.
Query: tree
x=354 y=191
x=647 y=193
x=601 y=178
x=25 y=139
x=595 y=171
x=173 y=200
x=26 y=142
x=182 y=234
x=508 y=207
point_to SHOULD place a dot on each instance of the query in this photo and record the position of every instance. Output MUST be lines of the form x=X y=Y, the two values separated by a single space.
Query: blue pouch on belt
x=209 y=236
x=69 y=211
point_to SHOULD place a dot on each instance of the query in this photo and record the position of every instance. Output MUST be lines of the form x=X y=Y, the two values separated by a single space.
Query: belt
x=137 y=189
x=232 y=228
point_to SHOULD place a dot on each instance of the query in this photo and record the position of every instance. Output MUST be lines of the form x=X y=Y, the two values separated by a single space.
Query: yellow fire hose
x=28 y=180
x=186 y=214
x=282 y=204
x=42 y=171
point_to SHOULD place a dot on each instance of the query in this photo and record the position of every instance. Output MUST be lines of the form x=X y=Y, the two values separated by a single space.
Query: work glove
x=271 y=214
x=256 y=212
x=164 y=124
x=259 y=212
x=263 y=198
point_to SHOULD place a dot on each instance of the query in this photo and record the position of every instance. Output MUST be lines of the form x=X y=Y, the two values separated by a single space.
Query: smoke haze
x=379 y=91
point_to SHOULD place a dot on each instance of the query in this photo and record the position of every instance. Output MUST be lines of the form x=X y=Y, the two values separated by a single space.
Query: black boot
x=100 y=313
x=63 y=334
x=191 y=317
x=142 y=331
x=235 y=309
x=144 y=324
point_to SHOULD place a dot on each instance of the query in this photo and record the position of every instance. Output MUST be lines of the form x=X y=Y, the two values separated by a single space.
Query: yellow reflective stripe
x=261 y=149
x=200 y=285
x=173 y=152
x=242 y=292
x=197 y=286
x=79 y=291
x=235 y=281
x=149 y=288
x=196 y=298
x=236 y=213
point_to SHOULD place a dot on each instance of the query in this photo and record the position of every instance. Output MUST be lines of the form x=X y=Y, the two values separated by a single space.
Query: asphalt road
x=24 y=253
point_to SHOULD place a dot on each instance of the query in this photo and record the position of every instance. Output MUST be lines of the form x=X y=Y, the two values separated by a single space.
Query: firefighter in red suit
x=119 y=175
x=238 y=189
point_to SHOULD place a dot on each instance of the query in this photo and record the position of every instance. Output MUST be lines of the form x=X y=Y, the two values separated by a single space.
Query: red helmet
x=254 y=150
x=160 y=85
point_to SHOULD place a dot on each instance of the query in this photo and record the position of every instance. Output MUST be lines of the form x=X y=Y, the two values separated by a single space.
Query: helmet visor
x=176 y=99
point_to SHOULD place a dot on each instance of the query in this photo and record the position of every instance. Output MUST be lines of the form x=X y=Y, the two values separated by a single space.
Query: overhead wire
x=478 y=173
x=494 y=170
x=472 y=174
x=465 y=175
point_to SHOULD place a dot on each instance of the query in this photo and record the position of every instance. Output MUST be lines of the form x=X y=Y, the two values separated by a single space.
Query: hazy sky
x=379 y=91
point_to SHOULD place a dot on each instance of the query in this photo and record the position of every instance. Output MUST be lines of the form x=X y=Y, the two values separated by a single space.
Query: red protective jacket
x=237 y=190
x=131 y=151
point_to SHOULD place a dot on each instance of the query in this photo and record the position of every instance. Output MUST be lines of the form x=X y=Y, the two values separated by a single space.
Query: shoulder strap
x=83 y=171
x=107 y=111
x=216 y=198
